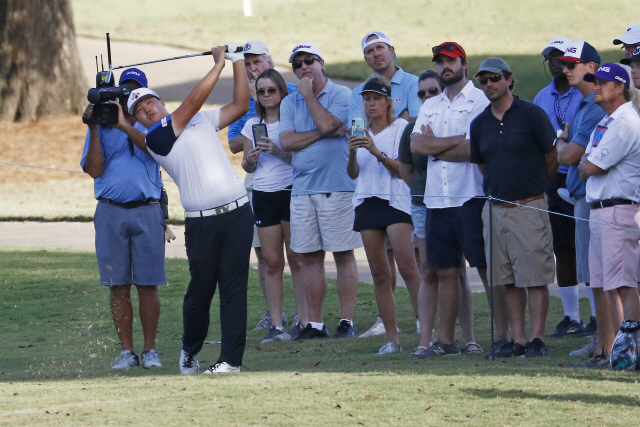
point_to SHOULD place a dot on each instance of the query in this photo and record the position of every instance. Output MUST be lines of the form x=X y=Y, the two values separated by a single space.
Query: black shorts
x=271 y=208
x=562 y=228
x=454 y=232
x=376 y=214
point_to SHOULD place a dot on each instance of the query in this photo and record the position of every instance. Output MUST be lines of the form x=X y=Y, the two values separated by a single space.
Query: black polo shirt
x=513 y=150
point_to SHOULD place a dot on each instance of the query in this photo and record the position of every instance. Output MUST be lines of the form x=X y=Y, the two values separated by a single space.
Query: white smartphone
x=357 y=127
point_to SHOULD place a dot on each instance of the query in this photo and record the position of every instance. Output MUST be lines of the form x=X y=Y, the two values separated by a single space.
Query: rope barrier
x=490 y=198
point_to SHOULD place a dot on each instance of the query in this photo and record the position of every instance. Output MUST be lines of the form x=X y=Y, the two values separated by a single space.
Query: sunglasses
x=448 y=47
x=308 y=60
x=271 y=91
x=495 y=78
x=572 y=64
x=432 y=91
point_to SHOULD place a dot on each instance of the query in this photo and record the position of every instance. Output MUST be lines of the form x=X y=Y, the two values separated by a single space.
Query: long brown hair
x=277 y=79
x=391 y=109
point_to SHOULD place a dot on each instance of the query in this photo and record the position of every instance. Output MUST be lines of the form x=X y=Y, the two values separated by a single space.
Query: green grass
x=58 y=340
x=518 y=30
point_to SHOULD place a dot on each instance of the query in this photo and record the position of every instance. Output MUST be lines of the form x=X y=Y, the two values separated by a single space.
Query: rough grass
x=58 y=340
x=518 y=30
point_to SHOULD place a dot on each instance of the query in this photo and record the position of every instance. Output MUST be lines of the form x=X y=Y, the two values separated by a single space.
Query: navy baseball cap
x=374 y=86
x=609 y=72
x=135 y=75
x=635 y=57
x=580 y=51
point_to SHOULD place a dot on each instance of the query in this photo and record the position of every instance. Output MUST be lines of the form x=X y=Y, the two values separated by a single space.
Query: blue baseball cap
x=635 y=57
x=135 y=75
x=609 y=72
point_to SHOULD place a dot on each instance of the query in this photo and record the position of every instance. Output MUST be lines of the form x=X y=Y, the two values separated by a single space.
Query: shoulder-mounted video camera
x=105 y=114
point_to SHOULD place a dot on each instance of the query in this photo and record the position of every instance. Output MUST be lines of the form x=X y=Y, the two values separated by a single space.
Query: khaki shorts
x=323 y=222
x=613 y=252
x=522 y=245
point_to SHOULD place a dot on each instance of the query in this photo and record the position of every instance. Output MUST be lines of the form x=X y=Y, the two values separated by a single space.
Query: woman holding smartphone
x=273 y=177
x=382 y=203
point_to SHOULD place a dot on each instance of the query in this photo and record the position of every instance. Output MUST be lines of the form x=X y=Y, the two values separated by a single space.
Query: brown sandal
x=472 y=348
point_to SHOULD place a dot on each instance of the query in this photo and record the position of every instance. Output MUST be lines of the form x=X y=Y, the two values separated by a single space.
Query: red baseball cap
x=450 y=49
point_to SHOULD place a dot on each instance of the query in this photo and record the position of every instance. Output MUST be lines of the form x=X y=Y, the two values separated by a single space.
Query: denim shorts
x=419 y=218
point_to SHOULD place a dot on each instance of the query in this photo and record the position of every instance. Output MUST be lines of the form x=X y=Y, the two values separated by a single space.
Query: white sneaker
x=150 y=358
x=376 y=329
x=390 y=348
x=126 y=360
x=222 y=368
x=586 y=350
x=188 y=363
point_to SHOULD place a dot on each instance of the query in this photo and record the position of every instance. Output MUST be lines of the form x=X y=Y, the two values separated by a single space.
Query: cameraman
x=129 y=224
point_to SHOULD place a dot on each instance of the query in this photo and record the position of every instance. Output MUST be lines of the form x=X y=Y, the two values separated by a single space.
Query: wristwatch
x=383 y=157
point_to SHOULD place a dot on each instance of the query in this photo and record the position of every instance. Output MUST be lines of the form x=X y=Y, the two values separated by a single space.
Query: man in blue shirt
x=313 y=126
x=559 y=100
x=257 y=59
x=129 y=225
x=579 y=59
x=379 y=55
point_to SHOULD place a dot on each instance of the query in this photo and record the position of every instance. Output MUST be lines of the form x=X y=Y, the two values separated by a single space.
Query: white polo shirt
x=200 y=167
x=451 y=184
x=614 y=146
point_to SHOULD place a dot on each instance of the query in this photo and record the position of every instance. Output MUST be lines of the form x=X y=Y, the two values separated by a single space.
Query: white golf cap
x=255 y=47
x=560 y=43
x=632 y=36
x=380 y=38
x=304 y=47
x=137 y=95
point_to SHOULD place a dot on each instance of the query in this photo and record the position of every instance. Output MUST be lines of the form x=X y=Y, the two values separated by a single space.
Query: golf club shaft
x=238 y=49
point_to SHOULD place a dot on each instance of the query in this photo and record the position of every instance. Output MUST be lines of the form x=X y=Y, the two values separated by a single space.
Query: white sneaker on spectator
x=150 y=358
x=222 y=368
x=264 y=323
x=188 y=363
x=586 y=350
x=126 y=360
x=390 y=348
x=376 y=329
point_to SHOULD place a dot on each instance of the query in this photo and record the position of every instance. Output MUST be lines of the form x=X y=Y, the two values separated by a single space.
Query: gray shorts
x=581 y=209
x=130 y=245
x=522 y=245
x=323 y=222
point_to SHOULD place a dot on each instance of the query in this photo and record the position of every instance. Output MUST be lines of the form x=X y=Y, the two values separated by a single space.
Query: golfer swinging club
x=219 y=221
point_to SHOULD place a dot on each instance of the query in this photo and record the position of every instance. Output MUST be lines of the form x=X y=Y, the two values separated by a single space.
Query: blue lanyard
x=560 y=114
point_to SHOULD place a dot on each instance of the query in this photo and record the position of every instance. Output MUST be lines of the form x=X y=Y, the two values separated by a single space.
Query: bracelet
x=383 y=157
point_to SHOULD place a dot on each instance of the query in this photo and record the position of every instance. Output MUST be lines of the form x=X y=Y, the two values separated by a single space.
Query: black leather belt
x=611 y=202
x=130 y=205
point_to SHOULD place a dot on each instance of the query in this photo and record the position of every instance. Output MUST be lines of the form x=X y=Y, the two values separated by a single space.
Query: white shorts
x=323 y=222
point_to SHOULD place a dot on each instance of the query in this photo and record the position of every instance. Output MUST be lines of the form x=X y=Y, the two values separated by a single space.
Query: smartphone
x=357 y=127
x=259 y=131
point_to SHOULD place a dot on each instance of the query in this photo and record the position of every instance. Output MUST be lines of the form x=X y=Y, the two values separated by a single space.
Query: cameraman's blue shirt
x=127 y=177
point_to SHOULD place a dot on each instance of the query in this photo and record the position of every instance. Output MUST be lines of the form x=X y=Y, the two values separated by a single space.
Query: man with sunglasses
x=579 y=59
x=129 y=225
x=257 y=60
x=610 y=168
x=630 y=40
x=512 y=143
x=559 y=100
x=454 y=225
x=313 y=126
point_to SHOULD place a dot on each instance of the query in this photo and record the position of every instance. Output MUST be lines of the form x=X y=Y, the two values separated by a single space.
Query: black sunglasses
x=308 y=60
x=270 y=91
x=572 y=64
x=432 y=91
x=448 y=47
x=495 y=78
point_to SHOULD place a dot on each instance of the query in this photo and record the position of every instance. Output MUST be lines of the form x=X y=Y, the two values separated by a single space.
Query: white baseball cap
x=380 y=38
x=255 y=47
x=304 y=47
x=560 y=43
x=632 y=36
x=137 y=95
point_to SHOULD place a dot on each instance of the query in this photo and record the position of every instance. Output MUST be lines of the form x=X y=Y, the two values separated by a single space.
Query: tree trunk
x=40 y=70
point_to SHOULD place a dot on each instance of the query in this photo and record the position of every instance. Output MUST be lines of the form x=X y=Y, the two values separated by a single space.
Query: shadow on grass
x=586 y=397
x=528 y=70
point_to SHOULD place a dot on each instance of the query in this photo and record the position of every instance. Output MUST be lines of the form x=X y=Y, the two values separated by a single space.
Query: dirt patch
x=55 y=143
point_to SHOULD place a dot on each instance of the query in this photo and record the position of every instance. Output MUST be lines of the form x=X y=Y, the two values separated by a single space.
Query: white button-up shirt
x=451 y=184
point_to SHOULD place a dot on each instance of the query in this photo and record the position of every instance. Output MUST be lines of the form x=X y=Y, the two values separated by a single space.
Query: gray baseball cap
x=494 y=65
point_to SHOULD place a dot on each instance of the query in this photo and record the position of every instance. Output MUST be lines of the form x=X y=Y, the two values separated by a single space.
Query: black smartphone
x=259 y=131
